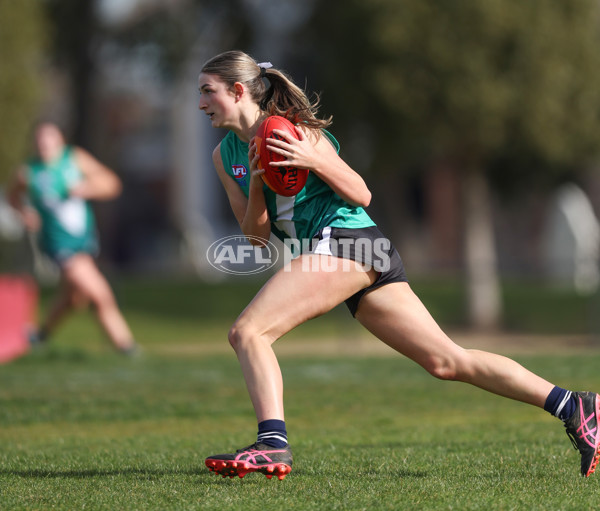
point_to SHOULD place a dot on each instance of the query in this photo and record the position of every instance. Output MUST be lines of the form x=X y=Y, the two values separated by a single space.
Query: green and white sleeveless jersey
x=68 y=224
x=300 y=216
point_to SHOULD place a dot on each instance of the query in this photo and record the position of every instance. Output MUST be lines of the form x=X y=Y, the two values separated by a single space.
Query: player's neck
x=249 y=123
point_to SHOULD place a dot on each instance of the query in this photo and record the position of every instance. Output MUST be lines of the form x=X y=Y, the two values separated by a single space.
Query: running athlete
x=329 y=212
x=51 y=193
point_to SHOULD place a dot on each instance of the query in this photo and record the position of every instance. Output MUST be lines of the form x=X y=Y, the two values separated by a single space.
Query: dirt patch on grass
x=368 y=345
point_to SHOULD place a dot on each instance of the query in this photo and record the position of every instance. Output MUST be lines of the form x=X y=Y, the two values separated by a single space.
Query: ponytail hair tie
x=263 y=68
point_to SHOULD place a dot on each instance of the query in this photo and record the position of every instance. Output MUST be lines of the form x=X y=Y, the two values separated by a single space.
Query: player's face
x=216 y=100
x=49 y=141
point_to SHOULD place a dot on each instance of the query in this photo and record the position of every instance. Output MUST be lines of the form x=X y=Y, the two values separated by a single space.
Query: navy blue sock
x=272 y=432
x=561 y=403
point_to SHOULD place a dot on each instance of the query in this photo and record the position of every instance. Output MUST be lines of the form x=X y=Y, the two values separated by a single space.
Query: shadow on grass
x=386 y=472
x=148 y=473
x=82 y=474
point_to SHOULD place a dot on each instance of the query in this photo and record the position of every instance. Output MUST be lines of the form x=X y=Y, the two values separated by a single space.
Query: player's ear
x=238 y=90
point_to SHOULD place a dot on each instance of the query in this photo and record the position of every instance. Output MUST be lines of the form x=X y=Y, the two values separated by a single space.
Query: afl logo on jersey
x=239 y=171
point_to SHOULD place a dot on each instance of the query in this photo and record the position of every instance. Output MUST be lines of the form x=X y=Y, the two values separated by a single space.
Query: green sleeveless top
x=300 y=216
x=68 y=225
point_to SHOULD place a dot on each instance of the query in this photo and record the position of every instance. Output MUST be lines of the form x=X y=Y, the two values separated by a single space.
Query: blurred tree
x=74 y=31
x=78 y=35
x=22 y=37
x=174 y=29
x=467 y=82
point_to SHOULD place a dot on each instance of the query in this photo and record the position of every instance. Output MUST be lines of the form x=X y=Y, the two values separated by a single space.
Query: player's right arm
x=16 y=191
x=251 y=213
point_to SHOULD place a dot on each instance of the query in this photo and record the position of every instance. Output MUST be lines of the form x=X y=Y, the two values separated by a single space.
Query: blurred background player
x=51 y=192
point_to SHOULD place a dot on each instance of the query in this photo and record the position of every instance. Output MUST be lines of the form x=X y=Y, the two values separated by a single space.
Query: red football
x=285 y=181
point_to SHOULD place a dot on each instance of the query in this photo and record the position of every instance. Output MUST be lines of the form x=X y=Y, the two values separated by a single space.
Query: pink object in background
x=18 y=304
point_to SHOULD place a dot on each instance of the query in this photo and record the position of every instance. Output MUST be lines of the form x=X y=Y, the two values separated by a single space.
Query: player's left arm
x=314 y=152
x=99 y=183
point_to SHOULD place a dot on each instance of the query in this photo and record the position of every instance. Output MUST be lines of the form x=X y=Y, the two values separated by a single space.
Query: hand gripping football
x=286 y=181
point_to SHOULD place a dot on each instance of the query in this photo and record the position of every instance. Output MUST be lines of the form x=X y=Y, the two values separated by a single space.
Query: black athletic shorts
x=367 y=246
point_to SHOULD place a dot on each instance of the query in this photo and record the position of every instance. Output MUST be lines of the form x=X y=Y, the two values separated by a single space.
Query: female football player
x=237 y=94
x=51 y=193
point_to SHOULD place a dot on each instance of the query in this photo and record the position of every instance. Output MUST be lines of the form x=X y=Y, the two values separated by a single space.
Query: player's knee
x=240 y=335
x=454 y=366
x=233 y=336
x=442 y=368
x=103 y=299
x=243 y=335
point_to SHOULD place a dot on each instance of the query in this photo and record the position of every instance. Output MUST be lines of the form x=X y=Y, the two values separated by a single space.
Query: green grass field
x=82 y=428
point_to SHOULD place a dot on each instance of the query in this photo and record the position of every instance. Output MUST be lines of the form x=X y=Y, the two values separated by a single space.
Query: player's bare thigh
x=308 y=287
x=395 y=315
x=83 y=276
